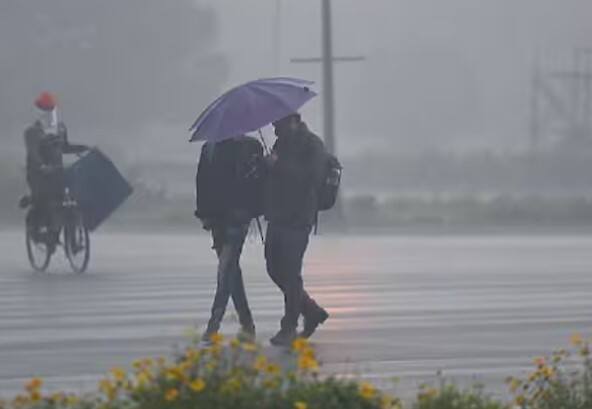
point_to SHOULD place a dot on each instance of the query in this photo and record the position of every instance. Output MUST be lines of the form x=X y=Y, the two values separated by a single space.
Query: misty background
x=434 y=126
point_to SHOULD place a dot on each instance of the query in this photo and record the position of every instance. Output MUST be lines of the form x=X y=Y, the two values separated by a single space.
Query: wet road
x=476 y=308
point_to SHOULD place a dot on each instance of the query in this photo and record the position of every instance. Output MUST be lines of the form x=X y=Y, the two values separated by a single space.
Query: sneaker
x=311 y=325
x=284 y=338
x=246 y=334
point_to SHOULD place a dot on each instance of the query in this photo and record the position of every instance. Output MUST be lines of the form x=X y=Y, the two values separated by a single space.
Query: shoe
x=284 y=338
x=246 y=334
x=311 y=325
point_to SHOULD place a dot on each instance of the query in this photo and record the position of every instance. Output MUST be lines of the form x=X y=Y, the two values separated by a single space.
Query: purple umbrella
x=250 y=107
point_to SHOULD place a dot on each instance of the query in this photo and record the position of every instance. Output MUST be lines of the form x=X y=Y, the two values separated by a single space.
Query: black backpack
x=329 y=188
x=230 y=179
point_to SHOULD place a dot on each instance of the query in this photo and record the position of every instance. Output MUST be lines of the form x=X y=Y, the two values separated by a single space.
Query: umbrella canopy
x=249 y=107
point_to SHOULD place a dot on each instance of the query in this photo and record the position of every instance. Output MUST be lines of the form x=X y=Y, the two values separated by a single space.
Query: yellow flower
x=143 y=379
x=300 y=344
x=520 y=400
x=108 y=389
x=192 y=355
x=260 y=363
x=273 y=369
x=34 y=384
x=547 y=371
x=35 y=396
x=307 y=363
x=175 y=373
x=235 y=343
x=300 y=405
x=217 y=338
x=214 y=350
x=367 y=390
x=197 y=385
x=232 y=385
x=118 y=374
x=249 y=347
x=576 y=339
x=171 y=395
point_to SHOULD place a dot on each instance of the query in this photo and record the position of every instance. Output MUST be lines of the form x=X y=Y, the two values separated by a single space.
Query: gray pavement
x=477 y=308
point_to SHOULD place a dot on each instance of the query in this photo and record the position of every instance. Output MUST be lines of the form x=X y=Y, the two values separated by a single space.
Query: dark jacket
x=294 y=179
x=47 y=150
x=223 y=184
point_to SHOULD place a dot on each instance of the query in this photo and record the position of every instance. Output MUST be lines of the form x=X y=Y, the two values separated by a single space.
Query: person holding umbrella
x=294 y=163
x=296 y=169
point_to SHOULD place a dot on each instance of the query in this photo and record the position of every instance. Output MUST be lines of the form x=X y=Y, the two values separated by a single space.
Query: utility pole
x=327 y=60
x=564 y=98
x=535 y=110
x=580 y=81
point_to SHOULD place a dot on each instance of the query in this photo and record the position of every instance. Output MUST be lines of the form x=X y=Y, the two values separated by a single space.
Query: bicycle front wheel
x=37 y=249
x=77 y=242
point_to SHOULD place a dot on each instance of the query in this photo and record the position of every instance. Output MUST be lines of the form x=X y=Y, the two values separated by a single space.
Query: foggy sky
x=453 y=73
x=446 y=74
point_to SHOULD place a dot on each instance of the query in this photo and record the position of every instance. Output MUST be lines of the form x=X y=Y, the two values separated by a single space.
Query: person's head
x=48 y=117
x=45 y=102
x=287 y=125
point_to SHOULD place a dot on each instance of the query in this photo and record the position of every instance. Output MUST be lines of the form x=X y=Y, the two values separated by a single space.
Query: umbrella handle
x=263 y=140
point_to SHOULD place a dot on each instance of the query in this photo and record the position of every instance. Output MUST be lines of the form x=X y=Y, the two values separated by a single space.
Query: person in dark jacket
x=46 y=141
x=224 y=205
x=295 y=172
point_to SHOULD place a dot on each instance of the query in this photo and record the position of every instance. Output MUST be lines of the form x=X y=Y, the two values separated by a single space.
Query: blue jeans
x=228 y=244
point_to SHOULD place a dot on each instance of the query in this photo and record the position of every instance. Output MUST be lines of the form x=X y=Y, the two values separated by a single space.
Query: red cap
x=45 y=101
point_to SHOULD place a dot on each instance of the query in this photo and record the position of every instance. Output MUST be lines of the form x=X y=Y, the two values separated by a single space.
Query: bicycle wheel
x=77 y=242
x=37 y=249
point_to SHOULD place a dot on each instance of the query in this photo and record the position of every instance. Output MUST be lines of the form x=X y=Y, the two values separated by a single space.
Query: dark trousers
x=228 y=243
x=284 y=251
x=47 y=194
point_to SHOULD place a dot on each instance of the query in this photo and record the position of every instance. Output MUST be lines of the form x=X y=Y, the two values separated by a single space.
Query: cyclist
x=46 y=140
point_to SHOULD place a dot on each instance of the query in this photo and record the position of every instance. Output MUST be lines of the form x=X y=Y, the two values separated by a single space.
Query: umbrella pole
x=263 y=141
x=260 y=229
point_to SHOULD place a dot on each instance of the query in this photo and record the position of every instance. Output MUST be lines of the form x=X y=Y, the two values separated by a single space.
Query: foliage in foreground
x=237 y=375
x=230 y=375
x=560 y=381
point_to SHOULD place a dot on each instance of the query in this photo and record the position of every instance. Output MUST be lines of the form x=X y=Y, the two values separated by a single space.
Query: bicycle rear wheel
x=37 y=249
x=77 y=242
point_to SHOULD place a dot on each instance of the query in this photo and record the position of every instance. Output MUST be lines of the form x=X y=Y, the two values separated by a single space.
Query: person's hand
x=271 y=159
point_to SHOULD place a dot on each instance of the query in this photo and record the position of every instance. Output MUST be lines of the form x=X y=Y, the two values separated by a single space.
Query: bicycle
x=42 y=239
